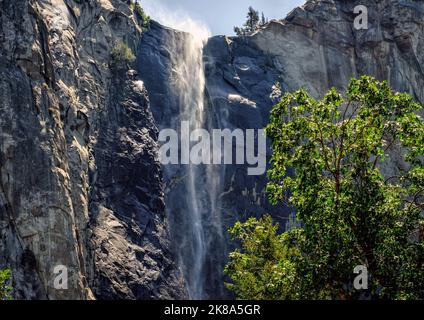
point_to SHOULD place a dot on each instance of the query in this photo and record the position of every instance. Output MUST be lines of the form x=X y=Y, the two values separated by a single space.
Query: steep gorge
x=80 y=180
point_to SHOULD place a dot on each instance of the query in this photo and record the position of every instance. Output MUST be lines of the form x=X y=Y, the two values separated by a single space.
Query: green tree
x=327 y=165
x=263 y=19
x=5 y=288
x=251 y=25
x=263 y=269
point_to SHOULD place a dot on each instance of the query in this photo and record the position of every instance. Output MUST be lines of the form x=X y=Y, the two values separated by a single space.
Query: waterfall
x=191 y=86
x=191 y=191
x=193 y=213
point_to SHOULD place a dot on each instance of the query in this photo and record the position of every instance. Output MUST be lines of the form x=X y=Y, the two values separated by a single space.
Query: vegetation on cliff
x=140 y=14
x=253 y=23
x=122 y=54
x=5 y=287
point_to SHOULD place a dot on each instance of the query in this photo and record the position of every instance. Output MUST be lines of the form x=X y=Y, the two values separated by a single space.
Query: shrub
x=140 y=14
x=122 y=54
x=5 y=287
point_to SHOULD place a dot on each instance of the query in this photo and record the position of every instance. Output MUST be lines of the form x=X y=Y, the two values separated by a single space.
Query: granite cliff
x=80 y=180
x=80 y=183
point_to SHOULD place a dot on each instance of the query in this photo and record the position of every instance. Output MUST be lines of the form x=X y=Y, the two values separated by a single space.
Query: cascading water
x=177 y=95
x=190 y=86
x=193 y=217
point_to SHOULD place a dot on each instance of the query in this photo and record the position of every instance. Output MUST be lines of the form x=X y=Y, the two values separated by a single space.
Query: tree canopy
x=351 y=167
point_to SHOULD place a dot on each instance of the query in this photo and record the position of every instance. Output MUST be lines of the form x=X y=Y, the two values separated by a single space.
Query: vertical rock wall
x=80 y=184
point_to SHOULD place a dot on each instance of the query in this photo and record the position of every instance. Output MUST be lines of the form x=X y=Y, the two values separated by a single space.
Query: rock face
x=315 y=47
x=80 y=184
x=80 y=180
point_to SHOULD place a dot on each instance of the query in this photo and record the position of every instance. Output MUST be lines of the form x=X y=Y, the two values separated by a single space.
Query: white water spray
x=188 y=84
x=196 y=216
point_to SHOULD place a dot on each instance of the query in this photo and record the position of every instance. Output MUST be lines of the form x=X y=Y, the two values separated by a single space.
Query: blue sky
x=219 y=16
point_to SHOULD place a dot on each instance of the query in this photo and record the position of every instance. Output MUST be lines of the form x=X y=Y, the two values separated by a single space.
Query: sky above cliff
x=217 y=16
